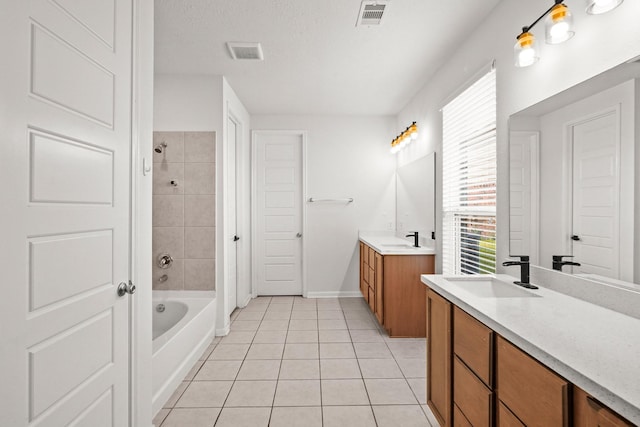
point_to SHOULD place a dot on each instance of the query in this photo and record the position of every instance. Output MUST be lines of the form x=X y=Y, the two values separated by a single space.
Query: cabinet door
x=379 y=288
x=507 y=419
x=588 y=412
x=364 y=271
x=372 y=300
x=473 y=343
x=535 y=394
x=439 y=358
x=474 y=399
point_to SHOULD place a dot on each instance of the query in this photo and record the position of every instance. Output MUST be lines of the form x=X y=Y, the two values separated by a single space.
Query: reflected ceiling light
x=597 y=7
x=525 y=49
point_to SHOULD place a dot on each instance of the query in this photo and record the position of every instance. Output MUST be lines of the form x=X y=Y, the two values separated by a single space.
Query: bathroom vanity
x=390 y=270
x=501 y=355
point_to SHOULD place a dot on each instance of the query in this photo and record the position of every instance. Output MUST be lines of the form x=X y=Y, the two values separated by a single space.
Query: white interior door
x=523 y=197
x=65 y=130
x=596 y=188
x=278 y=213
x=232 y=203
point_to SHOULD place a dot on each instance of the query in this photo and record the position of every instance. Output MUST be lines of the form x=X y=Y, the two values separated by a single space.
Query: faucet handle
x=558 y=258
x=523 y=258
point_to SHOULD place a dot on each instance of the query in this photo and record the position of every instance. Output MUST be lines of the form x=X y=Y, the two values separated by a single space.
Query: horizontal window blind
x=469 y=180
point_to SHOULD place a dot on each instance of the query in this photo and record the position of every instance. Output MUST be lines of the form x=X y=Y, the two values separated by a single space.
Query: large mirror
x=575 y=178
x=415 y=197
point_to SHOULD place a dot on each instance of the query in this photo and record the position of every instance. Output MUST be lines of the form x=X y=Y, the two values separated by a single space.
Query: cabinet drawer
x=473 y=343
x=506 y=417
x=536 y=395
x=473 y=398
x=588 y=412
x=459 y=420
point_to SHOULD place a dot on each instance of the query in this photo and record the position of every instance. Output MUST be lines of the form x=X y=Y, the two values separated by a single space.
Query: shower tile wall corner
x=184 y=214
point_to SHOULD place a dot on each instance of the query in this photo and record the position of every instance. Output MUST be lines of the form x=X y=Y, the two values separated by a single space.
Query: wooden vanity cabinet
x=533 y=393
x=473 y=369
x=439 y=358
x=391 y=285
x=588 y=412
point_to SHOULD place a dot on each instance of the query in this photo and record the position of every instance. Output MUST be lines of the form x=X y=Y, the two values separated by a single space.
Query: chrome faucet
x=558 y=262
x=415 y=238
x=524 y=270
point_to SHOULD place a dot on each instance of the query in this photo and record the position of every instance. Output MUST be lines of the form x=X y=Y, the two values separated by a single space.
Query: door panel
x=232 y=261
x=278 y=213
x=66 y=126
x=596 y=190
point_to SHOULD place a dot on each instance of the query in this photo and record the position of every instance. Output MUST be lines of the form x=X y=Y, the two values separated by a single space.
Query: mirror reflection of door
x=596 y=189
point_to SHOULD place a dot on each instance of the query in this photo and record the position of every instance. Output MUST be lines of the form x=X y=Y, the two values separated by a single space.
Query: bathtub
x=182 y=330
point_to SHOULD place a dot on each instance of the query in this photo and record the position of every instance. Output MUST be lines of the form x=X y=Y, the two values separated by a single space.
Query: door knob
x=126 y=288
x=299 y=235
x=236 y=238
x=575 y=238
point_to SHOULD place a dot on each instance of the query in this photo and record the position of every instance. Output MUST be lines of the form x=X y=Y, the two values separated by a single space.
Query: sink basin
x=491 y=287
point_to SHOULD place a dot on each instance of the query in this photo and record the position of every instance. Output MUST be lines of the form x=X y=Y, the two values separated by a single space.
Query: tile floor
x=290 y=361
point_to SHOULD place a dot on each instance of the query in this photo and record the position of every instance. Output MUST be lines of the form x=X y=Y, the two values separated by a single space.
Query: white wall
x=202 y=103
x=600 y=43
x=191 y=103
x=347 y=156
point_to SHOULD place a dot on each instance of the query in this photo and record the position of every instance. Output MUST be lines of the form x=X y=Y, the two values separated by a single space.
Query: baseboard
x=335 y=294
x=245 y=302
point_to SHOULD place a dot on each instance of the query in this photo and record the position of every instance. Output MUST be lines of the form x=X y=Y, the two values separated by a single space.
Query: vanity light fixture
x=597 y=7
x=405 y=138
x=558 y=28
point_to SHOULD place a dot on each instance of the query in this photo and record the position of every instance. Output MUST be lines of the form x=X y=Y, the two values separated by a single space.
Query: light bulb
x=525 y=50
x=559 y=24
x=597 y=7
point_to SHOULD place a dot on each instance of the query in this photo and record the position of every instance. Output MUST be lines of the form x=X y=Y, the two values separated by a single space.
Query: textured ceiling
x=316 y=60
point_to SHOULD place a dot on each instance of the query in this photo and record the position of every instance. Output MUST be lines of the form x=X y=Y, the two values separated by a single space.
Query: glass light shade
x=559 y=24
x=413 y=131
x=525 y=50
x=597 y=7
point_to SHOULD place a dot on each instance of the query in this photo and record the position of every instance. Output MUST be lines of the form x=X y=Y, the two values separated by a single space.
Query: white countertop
x=593 y=347
x=388 y=244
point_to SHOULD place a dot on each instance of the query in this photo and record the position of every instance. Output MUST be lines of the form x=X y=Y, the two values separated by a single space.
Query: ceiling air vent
x=245 y=50
x=372 y=12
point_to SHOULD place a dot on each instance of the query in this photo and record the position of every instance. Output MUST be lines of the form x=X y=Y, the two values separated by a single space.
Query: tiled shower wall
x=184 y=213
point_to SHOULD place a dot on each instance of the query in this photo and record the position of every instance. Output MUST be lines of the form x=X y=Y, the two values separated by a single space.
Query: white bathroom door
x=596 y=188
x=278 y=212
x=232 y=215
x=65 y=131
x=523 y=197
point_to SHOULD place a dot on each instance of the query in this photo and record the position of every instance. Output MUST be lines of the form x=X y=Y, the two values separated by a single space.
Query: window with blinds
x=469 y=180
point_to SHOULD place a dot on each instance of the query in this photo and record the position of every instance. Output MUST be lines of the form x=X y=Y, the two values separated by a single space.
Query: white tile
x=238 y=337
x=298 y=393
x=192 y=417
x=292 y=416
x=199 y=147
x=300 y=351
x=177 y=393
x=331 y=315
x=300 y=370
x=351 y=416
x=160 y=416
x=199 y=211
x=302 y=336
x=216 y=370
x=337 y=351
x=413 y=368
x=205 y=394
x=245 y=325
x=270 y=337
x=379 y=368
x=365 y=335
x=194 y=370
x=168 y=211
x=199 y=242
x=304 y=315
x=259 y=370
x=338 y=336
x=344 y=392
x=339 y=369
x=274 y=325
x=419 y=388
x=229 y=352
x=303 y=325
x=244 y=417
x=265 y=351
x=372 y=350
x=163 y=174
x=199 y=178
x=409 y=350
x=251 y=393
x=331 y=324
x=390 y=392
x=400 y=415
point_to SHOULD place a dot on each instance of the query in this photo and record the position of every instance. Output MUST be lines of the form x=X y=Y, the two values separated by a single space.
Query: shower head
x=160 y=147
